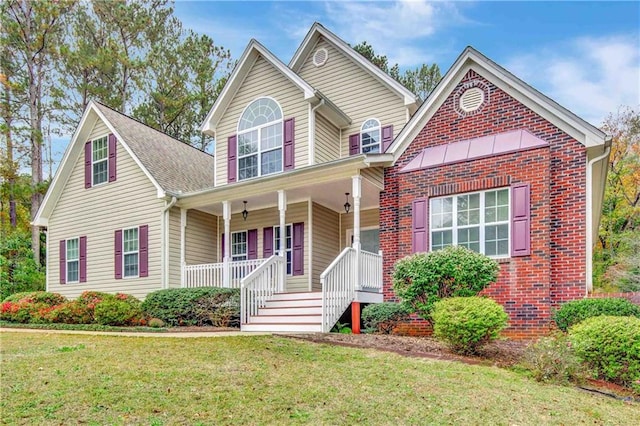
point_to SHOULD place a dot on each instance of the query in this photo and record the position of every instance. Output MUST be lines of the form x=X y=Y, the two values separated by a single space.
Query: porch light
x=347 y=206
x=245 y=213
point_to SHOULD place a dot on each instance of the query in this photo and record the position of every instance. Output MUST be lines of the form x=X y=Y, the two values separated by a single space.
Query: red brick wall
x=529 y=286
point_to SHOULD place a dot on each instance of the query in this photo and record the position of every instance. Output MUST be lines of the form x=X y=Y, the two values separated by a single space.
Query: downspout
x=312 y=132
x=590 y=236
x=164 y=254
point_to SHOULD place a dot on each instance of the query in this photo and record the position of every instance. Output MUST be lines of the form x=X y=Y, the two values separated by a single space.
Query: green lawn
x=81 y=379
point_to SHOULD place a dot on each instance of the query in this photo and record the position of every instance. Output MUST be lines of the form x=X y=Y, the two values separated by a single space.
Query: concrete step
x=284 y=327
x=298 y=303
x=291 y=310
x=283 y=319
x=297 y=296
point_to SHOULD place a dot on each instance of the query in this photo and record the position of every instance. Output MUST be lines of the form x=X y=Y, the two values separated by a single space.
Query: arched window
x=370 y=136
x=260 y=139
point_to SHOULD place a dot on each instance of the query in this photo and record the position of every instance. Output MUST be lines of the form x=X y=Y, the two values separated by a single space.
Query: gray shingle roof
x=176 y=166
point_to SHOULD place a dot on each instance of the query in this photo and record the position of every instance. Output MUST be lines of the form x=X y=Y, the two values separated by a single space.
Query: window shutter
x=520 y=220
x=387 y=137
x=118 y=254
x=267 y=242
x=354 y=144
x=419 y=241
x=63 y=262
x=289 y=143
x=232 y=152
x=112 y=157
x=83 y=259
x=298 y=249
x=143 y=241
x=87 y=165
x=252 y=244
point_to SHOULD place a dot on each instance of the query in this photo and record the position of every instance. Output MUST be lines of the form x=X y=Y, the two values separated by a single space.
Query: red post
x=355 y=317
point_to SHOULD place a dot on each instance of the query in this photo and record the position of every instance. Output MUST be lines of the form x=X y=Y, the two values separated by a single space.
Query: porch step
x=304 y=295
x=297 y=303
x=286 y=319
x=289 y=312
x=288 y=328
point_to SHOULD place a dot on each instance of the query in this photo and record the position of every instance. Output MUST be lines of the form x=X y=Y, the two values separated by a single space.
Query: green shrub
x=553 y=360
x=118 y=311
x=45 y=297
x=611 y=346
x=16 y=297
x=219 y=310
x=467 y=323
x=382 y=318
x=30 y=307
x=71 y=312
x=422 y=279
x=192 y=306
x=573 y=312
x=156 y=323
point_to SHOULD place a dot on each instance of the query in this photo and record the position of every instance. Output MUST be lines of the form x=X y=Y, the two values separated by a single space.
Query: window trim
x=125 y=253
x=260 y=151
x=246 y=246
x=482 y=224
x=378 y=128
x=286 y=250
x=67 y=261
x=105 y=160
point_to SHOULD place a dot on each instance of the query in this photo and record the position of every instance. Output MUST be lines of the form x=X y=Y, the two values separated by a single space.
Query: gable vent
x=320 y=57
x=471 y=99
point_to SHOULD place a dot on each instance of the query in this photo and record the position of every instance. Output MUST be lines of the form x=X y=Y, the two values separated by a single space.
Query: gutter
x=312 y=132
x=590 y=212
x=164 y=237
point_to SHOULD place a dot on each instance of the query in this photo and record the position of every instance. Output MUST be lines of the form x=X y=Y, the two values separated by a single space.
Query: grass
x=64 y=379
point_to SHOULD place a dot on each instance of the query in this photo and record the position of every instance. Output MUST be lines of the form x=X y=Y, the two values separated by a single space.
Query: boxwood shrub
x=382 y=318
x=120 y=310
x=611 y=346
x=576 y=311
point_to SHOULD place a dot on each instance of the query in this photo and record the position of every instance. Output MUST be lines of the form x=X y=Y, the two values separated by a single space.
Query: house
x=325 y=172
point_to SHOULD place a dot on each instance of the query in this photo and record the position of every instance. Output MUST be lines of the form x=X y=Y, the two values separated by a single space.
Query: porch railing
x=338 y=287
x=258 y=286
x=370 y=271
x=212 y=274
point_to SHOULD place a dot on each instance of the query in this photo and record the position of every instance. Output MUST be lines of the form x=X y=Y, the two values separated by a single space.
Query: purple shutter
x=87 y=165
x=419 y=225
x=63 y=262
x=252 y=244
x=520 y=220
x=232 y=152
x=387 y=137
x=267 y=242
x=83 y=259
x=117 y=250
x=143 y=241
x=354 y=144
x=222 y=246
x=112 y=157
x=289 y=142
x=298 y=249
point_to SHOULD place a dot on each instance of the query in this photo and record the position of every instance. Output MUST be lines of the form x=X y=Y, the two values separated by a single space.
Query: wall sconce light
x=245 y=213
x=347 y=206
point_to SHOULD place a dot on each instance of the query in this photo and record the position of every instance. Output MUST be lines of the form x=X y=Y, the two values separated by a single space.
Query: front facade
x=325 y=173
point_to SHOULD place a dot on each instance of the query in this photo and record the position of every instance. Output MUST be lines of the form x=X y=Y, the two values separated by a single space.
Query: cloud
x=590 y=76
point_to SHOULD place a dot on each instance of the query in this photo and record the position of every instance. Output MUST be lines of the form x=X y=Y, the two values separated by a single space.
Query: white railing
x=370 y=271
x=258 y=286
x=212 y=274
x=338 y=289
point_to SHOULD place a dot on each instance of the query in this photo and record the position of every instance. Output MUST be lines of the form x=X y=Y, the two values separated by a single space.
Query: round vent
x=471 y=99
x=320 y=57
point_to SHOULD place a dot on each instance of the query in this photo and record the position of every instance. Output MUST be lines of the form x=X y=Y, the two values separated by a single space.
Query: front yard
x=80 y=379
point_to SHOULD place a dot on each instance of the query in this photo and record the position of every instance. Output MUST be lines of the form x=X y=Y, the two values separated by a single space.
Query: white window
x=370 y=136
x=130 y=252
x=260 y=139
x=73 y=260
x=99 y=161
x=239 y=245
x=288 y=245
x=478 y=221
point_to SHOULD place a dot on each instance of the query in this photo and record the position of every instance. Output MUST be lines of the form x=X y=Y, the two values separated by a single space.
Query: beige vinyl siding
x=264 y=80
x=354 y=91
x=368 y=219
x=326 y=241
x=374 y=175
x=327 y=140
x=174 y=248
x=98 y=212
x=201 y=232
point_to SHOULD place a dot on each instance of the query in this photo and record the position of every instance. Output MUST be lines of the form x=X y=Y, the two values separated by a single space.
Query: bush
x=611 y=346
x=467 y=323
x=49 y=299
x=71 y=312
x=30 y=307
x=572 y=313
x=553 y=360
x=192 y=306
x=118 y=311
x=156 y=323
x=382 y=318
x=422 y=279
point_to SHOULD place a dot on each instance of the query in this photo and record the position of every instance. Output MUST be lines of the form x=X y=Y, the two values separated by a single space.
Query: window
x=288 y=246
x=478 y=221
x=73 y=260
x=370 y=136
x=99 y=161
x=260 y=139
x=239 y=245
x=130 y=252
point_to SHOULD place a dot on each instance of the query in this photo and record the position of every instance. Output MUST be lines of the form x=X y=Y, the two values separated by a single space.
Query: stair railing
x=259 y=285
x=338 y=287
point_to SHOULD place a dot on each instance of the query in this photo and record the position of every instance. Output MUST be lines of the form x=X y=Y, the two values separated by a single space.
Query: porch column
x=282 y=207
x=183 y=244
x=357 y=193
x=226 y=267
